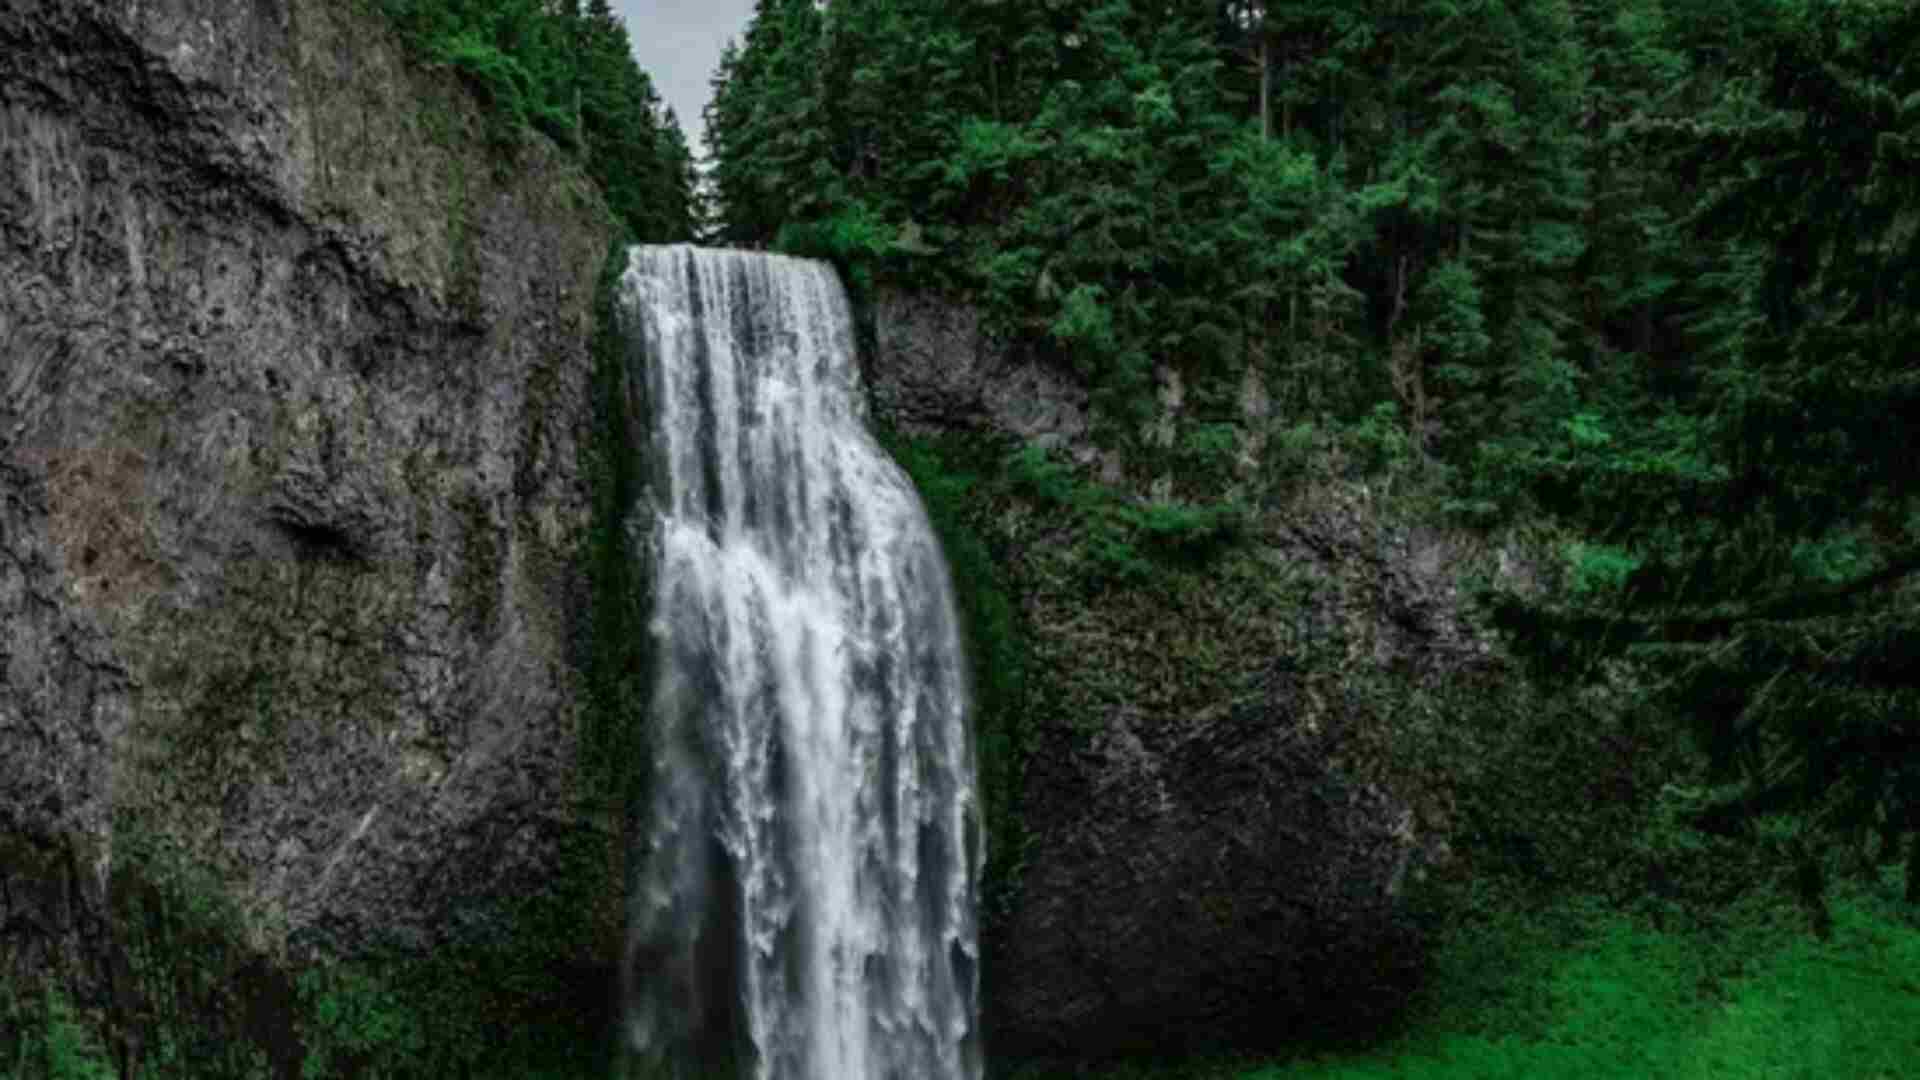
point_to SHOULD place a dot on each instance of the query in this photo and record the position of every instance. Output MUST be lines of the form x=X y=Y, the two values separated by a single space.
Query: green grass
x=1578 y=992
x=1632 y=1001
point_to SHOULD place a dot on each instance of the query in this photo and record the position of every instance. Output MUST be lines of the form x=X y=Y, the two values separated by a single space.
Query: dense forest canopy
x=566 y=68
x=1642 y=270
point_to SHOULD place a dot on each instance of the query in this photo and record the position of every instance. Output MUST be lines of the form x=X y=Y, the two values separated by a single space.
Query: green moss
x=190 y=999
x=43 y=1037
x=1122 y=540
x=1576 y=991
x=948 y=475
x=616 y=653
x=1622 y=999
x=476 y=585
x=463 y=265
x=516 y=986
x=521 y=987
x=442 y=119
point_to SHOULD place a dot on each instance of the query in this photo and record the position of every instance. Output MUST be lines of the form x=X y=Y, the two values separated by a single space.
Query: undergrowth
x=1123 y=540
x=42 y=1037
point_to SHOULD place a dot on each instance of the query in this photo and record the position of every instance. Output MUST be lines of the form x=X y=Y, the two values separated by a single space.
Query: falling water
x=805 y=903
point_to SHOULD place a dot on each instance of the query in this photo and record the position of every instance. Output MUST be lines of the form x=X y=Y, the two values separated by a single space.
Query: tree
x=568 y=71
x=1773 y=541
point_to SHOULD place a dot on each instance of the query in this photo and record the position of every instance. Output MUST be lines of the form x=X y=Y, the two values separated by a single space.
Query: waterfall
x=804 y=906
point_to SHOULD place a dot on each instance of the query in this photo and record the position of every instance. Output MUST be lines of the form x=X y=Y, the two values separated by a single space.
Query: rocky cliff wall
x=294 y=380
x=1219 y=770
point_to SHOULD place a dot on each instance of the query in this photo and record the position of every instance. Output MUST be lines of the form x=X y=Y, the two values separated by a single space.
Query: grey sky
x=678 y=44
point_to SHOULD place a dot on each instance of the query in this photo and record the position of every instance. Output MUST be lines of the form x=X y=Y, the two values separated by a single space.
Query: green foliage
x=1123 y=540
x=567 y=70
x=518 y=989
x=853 y=239
x=1625 y=1000
x=1574 y=991
x=193 y=999
x=947 y=475
x=1595 y=570
x=1833 y=559
x=1084 y=326
x=42 y=1037
x=355 y=1021
x=512 y=988
x=1382 y=440
x=501 y=76
x=614 y=650
x=1758 y=529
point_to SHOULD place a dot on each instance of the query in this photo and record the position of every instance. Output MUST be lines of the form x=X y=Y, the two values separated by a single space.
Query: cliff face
x=1220 y=761
x=294 y=360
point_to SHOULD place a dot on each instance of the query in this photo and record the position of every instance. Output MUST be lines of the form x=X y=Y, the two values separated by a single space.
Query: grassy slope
x=1624 y=1000
x=1638 y=1003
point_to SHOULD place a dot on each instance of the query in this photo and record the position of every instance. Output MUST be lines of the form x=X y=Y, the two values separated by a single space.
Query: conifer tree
x=566 y=69
x=1772 y=531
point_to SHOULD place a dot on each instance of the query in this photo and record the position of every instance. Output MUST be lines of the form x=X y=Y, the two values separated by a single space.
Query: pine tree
x=567 y=70
x=1774 y=541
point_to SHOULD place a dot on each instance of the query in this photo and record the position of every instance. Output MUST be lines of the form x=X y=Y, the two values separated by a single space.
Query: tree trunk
x=1913 y=868
x=1266 y=86
x=1811 y=884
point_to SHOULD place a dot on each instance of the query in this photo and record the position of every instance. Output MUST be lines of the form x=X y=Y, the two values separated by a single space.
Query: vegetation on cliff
x=1635 y=273
x=1588 y=996
x=567 y=69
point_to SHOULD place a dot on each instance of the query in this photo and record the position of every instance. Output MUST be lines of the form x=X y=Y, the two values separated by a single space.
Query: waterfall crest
x=804 y=906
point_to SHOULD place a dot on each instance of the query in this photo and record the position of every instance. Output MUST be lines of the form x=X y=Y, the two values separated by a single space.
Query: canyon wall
x=294 y=388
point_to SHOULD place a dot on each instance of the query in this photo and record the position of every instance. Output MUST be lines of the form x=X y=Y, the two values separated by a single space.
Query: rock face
x=293 y=380
x=1219 y=823
x=1203 y=882
x=941 y=370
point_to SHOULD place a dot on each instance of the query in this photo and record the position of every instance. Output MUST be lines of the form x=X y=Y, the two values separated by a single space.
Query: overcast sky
x=678 y=45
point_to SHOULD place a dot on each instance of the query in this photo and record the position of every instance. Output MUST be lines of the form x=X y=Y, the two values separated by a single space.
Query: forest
x=1648 y=271
x=1639 y=278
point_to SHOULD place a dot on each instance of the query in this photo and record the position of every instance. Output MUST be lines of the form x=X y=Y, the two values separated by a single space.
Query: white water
x=805 y=903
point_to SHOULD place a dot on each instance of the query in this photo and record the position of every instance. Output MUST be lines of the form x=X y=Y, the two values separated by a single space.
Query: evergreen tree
x=567 y=70
x=1770 y=546
x=1642 y=266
